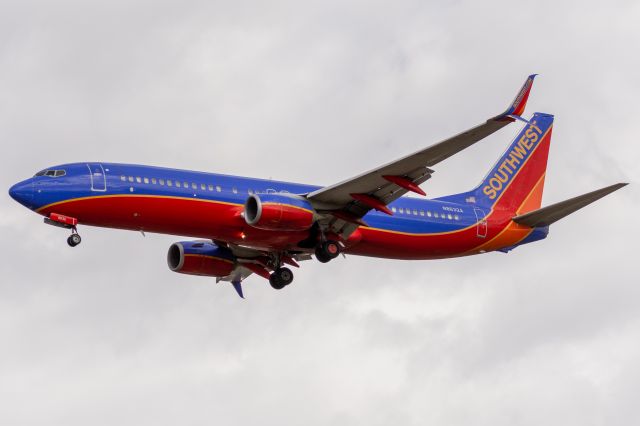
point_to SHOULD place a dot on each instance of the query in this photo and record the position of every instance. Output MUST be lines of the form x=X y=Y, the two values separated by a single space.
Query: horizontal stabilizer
x=550 y=214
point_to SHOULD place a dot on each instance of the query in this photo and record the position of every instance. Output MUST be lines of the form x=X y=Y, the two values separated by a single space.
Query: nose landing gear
x=66 y=222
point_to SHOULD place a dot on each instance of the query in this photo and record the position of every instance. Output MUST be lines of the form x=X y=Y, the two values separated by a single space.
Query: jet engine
x=200 y=258
x=278 y=212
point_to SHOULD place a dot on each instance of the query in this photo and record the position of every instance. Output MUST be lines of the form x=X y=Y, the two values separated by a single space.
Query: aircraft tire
x=280 y=278
x=321 y=255
x=275 y=283
x=285 y=276
x=331 y=248
x=327 y=251
x=74 y=240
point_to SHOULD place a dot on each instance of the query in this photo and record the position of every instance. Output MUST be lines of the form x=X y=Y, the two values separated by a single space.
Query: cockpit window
x=52 y=173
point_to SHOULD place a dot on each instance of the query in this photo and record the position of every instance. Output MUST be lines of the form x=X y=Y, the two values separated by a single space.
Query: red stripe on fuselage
x=197 y=218
x=212 y=220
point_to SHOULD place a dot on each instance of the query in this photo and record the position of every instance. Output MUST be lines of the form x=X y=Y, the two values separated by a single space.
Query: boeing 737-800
x=247 y=226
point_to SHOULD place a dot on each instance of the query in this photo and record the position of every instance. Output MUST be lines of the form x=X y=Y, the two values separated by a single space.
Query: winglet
x=516 y=109
x=237 y=285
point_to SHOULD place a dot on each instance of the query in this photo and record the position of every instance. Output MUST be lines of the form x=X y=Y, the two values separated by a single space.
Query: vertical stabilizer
x=516 y=181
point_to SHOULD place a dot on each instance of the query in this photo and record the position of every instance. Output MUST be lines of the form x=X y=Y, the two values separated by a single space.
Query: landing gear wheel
x=321 y=255
x=281 y=278
x=275 y=283
x=327 y=250
x=74 y=240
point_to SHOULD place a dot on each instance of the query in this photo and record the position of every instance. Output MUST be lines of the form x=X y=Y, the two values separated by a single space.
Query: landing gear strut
x=74 y=239
x=67 y=222
x=280 y=278
x=327 y=251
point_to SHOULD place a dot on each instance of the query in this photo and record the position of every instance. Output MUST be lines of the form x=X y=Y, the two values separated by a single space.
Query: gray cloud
x=316 y=92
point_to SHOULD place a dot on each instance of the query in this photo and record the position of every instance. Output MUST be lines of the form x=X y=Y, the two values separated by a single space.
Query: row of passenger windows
x=218 y=188
x=416 y=212
x=177 y=184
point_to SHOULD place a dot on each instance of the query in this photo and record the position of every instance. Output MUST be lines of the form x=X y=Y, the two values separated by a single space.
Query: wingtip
x=516 y=108
x=619 y=185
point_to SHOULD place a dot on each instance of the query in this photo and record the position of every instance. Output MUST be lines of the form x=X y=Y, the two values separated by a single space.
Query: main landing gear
x=327 y=250
x=280 y=278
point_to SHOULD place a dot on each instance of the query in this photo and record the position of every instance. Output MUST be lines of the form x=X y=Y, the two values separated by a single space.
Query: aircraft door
x=98 y=179
x=481 y=228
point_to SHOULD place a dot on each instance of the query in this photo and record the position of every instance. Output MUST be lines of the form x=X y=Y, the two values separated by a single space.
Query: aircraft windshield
x=51 y=173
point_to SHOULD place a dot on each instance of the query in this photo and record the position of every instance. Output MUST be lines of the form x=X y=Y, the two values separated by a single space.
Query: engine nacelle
x=278 y=212
x=200 y=258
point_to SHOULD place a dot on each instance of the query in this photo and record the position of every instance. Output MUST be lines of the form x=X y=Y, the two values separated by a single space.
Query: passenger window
x=428 y=213
x=161 y=182
x=250 y=191
x=421 y=212
x=218 y=188
x=178 y=184
x=203 y=186
x=456 y=217
x=393 y=209
x=449 y=216
x=138 y=179
x=154 y=181
x=194 y=186
x=123 y=178
x=169 y=182
x=146 y=180
x=415 y=212
x=130 y=178
x=401 y=210
x=235 y=191
x=435 y=215
x=210 y=187
x=185 y=184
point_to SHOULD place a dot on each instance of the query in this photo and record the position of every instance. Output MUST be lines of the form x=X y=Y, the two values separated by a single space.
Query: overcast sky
x=315 y=92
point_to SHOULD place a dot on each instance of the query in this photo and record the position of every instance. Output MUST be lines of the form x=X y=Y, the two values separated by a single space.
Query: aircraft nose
x=23 y=193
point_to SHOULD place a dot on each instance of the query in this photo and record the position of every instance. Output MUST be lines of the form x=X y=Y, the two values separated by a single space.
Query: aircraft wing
x=350 y=200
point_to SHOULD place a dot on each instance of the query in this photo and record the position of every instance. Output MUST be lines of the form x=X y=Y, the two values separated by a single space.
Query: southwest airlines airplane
x=250 y=226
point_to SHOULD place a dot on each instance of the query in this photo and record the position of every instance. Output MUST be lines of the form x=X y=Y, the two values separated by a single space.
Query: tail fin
x=516 y=181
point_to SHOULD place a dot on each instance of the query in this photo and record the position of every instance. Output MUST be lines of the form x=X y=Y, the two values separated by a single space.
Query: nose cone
x=23 y=193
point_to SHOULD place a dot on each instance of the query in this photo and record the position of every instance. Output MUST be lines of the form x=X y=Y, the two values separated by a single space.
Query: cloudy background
x=315 y=92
